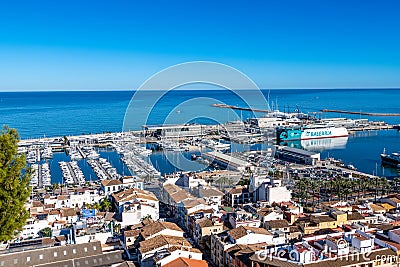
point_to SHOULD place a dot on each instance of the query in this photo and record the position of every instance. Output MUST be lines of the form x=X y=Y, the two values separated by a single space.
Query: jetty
x=81 y=152
x=240 y=108
x=370 y=128
x=361 y=113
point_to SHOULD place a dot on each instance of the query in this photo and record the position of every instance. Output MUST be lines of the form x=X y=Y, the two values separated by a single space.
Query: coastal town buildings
x=134 y=205
x=191 y=218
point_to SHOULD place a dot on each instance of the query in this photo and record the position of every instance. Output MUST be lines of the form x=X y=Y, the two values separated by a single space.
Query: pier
x=40 y=181
x=81 y=152
x=370 y=128
x=240 y=108
x=361 y=113
x=72 y=172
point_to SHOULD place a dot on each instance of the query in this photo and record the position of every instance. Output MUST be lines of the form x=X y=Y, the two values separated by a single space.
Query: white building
x=132 y=182
x=267 y=122
x=134 y=205
x=111 y=186
x=337 y=245
x=220 y=243
x=175 y=131
x=362 y=242
x=212 y=196
x=149 y=247
x=32 y=228
x=269 y=190
x=164 y=256
x=303 y=253
x=243 y=218
x=266 y=215
x=186 y=180
x=73 y=200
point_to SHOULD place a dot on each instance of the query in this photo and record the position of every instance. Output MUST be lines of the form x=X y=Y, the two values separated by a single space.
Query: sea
x=50 y=114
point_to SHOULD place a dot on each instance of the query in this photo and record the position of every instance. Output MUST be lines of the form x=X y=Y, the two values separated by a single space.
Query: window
x=94 y=247
x=74 y=251
x=41 y=257
x=55 y=254
x=65 y=252
x=15 y=261
x=85 y=249
x=28 y=259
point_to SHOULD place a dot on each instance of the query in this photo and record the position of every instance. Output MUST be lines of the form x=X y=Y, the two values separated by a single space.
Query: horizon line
x=197 y=89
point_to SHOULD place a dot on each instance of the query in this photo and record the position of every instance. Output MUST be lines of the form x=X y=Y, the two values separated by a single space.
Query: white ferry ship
x=310 y=132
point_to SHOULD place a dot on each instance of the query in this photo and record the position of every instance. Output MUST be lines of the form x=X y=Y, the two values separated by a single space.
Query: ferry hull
x=387 y=159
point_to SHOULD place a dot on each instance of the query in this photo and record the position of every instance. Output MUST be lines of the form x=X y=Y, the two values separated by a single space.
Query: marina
x=72 y=174
x=138 y=152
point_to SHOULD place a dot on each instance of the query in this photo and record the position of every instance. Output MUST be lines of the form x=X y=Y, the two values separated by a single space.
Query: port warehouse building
x=296 y=155
x=227 y=161
x=175 y=130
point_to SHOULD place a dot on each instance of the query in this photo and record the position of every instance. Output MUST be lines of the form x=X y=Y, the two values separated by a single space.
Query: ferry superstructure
x=309 y=132
x=391 y=159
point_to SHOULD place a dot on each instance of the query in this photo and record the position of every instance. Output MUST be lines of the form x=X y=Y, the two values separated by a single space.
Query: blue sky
x=89 y=45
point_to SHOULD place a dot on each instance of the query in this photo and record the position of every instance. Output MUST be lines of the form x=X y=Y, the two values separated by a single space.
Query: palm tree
x=384 y=185
x=54 y=187
x=323 y=188
x=106 y=204
x=342 y=186
x=396 y=184
x=297 y=189
x=315 y=186
x=356 y=186
x=375 y=184
x=363 y=185
x=337 y=183
x=332 y=186
x=96 y=206
x=303 y=190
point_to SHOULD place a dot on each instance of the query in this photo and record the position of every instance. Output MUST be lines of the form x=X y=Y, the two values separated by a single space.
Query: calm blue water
x=38 y=114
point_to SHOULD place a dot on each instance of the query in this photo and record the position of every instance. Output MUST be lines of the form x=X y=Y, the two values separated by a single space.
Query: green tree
x=45 y=232
x=385 y=185
x=14 y=185
x=55 y=187
x=96 y=206
x=106 y=204
x=396 y=182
